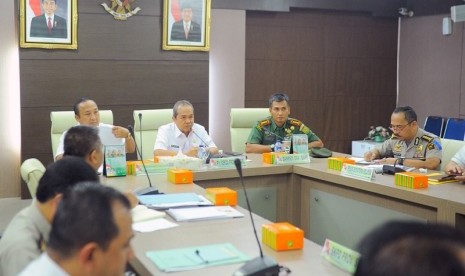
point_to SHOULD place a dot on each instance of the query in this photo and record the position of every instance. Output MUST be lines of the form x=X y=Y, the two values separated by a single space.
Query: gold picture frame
x=192 y=35
x=48 y=24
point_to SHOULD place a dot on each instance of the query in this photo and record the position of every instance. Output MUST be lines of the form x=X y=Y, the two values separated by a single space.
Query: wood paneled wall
x=120 y=64
x=338 y=69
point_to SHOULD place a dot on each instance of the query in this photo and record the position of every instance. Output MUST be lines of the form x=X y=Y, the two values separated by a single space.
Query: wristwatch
x=272 y=147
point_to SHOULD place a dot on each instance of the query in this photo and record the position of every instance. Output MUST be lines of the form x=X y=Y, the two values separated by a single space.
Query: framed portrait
x=186 y=25
x=49 y=24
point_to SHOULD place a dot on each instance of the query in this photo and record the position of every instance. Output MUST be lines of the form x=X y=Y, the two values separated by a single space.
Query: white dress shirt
x=43 y=266
x=169 y=137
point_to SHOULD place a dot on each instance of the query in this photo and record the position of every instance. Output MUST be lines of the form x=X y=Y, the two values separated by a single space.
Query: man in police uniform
x=409 y=141
x=267 y=132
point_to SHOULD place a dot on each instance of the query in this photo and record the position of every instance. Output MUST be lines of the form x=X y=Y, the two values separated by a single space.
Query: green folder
x=196 y=257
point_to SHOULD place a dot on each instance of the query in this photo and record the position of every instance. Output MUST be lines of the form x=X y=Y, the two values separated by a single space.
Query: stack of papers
x=166 y=201
x=196 y=257
x=142 y=213
x=204 y=213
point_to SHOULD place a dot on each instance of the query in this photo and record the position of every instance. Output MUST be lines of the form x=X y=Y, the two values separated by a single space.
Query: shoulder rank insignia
x=295 y=122
x=427 y=138
x=263 y=123
x=304 y=129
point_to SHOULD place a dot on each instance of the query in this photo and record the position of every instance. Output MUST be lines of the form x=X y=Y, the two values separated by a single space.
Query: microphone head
x=140 y=116
x=131 y=130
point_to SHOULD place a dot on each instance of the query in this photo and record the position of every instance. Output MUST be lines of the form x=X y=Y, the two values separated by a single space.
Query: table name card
x=296 y=158
x=227 y=162
x=358 y=172
x=340 y=256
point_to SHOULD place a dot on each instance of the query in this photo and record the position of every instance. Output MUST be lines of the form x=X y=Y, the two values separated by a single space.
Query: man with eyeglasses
x=408 y=141
x=267 y=132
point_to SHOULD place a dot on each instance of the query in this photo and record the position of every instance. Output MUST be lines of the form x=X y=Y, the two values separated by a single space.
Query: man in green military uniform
x=278 y=126
x=408 y=141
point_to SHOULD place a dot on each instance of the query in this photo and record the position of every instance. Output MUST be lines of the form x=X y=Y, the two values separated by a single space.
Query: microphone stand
x=148 y=190
x=262 y=265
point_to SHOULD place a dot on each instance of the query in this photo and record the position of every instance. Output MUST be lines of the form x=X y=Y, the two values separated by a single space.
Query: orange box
x=131 y=167
x=221 y=196
x=335 y=163
x=282 y=236
x=180 y=176
x=411 y=180
x=270 y=157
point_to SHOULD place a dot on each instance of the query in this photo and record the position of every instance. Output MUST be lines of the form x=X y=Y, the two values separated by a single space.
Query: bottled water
x=278 y=146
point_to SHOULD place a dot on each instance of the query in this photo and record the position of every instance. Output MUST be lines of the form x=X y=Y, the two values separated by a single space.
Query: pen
x=197 y=252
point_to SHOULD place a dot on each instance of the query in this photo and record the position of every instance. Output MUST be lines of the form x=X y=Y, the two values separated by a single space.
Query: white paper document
x=204 y=213
x=153 y=225
x=142 y=213
x=107 y=137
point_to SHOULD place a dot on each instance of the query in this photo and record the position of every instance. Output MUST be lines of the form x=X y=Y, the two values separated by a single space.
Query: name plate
x=297 y=158
x=340 y=256
x=358 y=172
x=227 y=162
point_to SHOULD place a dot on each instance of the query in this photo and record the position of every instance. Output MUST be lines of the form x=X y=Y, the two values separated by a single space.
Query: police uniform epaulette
x=263 y=123
x=427 y=138
x=295 y=122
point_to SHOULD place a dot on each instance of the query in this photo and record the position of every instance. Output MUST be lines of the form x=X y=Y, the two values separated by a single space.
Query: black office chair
x=455 y=129
x=435 y=125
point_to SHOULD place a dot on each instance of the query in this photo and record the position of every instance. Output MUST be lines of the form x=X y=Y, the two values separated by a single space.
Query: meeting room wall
x=339 y=69
x=431 y=67
x=120 y=64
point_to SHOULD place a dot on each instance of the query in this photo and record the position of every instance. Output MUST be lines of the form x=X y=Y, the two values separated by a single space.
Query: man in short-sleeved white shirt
x=87 y=113
x=457 y=165
x=182 y=134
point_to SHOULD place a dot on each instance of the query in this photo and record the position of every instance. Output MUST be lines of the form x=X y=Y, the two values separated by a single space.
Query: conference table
x=237 y=231
x=319 y=200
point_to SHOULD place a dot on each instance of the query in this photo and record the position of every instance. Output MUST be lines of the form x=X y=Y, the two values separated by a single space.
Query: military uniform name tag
x=297 y=158
x=358 y=172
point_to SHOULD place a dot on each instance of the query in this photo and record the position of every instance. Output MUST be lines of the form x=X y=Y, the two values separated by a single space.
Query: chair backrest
x=435 y=125
x=455 y=129
x=151 y=119
x=31 y=172
x=242 y=121
x=449 y=148
x=63 y=120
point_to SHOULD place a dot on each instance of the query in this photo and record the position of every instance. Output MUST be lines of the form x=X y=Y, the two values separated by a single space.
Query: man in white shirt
x=183 y=134
x=87 y=113
x=456 y=165
x=91 y=234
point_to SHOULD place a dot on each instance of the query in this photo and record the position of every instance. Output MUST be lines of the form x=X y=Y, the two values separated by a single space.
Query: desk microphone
x=262 y=265
x=148 y=190
x=140 y=134
x=393 y=169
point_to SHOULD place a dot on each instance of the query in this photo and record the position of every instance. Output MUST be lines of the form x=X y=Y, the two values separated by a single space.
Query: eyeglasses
x=399 y=127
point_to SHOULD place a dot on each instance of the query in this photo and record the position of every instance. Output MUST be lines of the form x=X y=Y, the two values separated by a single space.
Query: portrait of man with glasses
x=420 y=149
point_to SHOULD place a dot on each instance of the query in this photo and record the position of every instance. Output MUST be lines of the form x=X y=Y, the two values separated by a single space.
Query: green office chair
x=151 y=119
x=242 y=121
x=63 y=120
x=31 y=172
